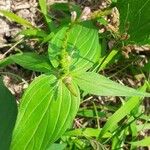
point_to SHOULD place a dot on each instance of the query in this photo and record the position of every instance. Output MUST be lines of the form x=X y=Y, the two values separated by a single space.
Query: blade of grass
x=121 y=113
x=14 y=17
x=107 y=60
x=44 y=10
x=43 y=6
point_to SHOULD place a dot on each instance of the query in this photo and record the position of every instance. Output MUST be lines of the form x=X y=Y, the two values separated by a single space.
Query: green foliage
x=44 y=10
x=71 y=49
x=8 y=114
x=49 y=104
x=57 y=147
x=83 y=45
x=28 y=60
x=107 y=60
x=96 y=84
x=16 y=18
x=134 y=20
x=33 y=33
x=124 y=110
x=146 y=67
x=43 y=6
x=144 y=142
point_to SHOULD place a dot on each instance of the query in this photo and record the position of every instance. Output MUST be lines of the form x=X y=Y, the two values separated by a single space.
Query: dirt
x=24 y=8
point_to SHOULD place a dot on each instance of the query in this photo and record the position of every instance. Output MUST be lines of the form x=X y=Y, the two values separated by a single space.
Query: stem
x=97 y=117
x=12 y=47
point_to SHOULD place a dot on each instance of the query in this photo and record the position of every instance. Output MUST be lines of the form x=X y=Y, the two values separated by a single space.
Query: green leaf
x=144 y=142
x=57 y=147
x=33 y=33
x=108 y=59
x=43 y=6
x=135 y=20
x=60 y=7
x=5 y=62
x=83 y=45
x=28 y=60
x=90 y=113
x=16 y=18
x=44 y=10
x=96 y=84
x=86 y=132
x=47 y=109
x=123 y=111
x=8 y=114
x=102 y=21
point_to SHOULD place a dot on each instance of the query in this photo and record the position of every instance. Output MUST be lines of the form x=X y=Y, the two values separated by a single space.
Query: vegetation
x=69 y=60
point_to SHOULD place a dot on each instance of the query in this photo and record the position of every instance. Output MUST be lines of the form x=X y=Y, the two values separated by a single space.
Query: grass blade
x=123 y=111
x=43 y=6
x=14 y=17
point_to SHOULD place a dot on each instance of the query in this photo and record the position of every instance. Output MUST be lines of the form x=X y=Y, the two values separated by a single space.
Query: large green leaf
x=96 y=84
x=8 y=114
x=47 y=109
x=134 y=17
x=83 y=45
x=28 y=60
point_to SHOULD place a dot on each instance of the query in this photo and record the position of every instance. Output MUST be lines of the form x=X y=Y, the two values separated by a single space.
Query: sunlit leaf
x=47 y=109
x=83 y=45
x=43 y=6
x=28 y=60
x=14 y=17
x=96 y=84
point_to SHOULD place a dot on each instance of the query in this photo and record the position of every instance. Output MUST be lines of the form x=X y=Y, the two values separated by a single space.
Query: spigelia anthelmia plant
x=73 y=53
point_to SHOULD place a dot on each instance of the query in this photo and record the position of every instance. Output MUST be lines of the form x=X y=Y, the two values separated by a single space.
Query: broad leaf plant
x=50 y=103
